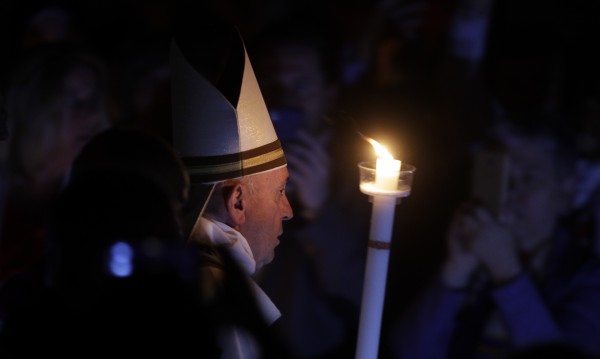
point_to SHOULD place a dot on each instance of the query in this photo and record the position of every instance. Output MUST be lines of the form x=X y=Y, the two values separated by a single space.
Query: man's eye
x=282 y=191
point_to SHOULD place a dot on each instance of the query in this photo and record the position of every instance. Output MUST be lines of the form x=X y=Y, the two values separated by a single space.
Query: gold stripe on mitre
x=218 y=168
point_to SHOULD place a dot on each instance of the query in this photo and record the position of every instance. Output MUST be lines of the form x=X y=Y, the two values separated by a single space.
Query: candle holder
x=367 y=181
x=384 y=199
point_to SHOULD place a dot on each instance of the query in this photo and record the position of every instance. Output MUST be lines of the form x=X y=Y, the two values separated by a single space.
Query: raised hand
x=309 y=164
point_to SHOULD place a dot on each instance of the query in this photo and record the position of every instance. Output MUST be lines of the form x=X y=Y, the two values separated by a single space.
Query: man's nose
x=287 y=212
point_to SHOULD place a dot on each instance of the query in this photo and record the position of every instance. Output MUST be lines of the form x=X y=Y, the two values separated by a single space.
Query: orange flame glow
x=380 y=150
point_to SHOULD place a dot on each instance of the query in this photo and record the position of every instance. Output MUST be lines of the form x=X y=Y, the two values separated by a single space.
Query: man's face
x=266 y=207
x=83 y=117
x=535 y=196
x=291 y=76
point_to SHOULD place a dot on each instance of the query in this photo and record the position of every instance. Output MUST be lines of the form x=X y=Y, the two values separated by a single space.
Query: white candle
x=387 y=171
x=382 y=220
x=373 y=295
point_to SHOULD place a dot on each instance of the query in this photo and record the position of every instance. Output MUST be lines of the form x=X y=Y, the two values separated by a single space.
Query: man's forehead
x=277 y=175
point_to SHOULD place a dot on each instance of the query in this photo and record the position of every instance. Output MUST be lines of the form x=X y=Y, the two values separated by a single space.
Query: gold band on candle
x=378 y=244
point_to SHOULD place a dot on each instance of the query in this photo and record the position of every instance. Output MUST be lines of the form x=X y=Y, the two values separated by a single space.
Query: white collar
x=218 y=233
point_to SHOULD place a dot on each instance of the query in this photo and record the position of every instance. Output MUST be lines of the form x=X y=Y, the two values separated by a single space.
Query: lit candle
x=387 y=169
x=384 y=192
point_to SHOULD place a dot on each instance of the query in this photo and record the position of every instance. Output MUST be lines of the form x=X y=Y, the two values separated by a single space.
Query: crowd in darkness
x=430 y=79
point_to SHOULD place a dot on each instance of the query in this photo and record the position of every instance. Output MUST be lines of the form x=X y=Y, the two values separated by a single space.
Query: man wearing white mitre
x=224 y=134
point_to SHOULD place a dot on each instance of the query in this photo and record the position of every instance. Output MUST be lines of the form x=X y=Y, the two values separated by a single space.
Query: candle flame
x=381 y=151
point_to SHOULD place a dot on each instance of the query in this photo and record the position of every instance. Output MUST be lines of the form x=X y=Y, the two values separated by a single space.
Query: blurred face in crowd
x=56 y=104
x=537 y=191
x=292 y=76
x=266 y=206
x=82 y=116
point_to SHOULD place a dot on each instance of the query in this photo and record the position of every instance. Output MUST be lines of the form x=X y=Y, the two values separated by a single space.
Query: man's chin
x=264 y=262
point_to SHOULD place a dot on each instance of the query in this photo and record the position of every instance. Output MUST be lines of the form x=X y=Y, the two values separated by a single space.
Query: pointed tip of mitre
x=221 y=125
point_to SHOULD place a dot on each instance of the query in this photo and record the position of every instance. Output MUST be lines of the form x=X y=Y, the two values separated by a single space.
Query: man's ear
x=236 y=204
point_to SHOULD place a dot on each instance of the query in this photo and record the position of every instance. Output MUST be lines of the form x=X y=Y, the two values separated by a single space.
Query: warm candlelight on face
x=387 y=168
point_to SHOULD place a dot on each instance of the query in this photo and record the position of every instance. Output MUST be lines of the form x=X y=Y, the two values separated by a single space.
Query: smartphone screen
x=489 y=180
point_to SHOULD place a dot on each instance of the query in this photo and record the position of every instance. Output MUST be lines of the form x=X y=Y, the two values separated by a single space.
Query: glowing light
x=380 y=150
x=387 y=169
x=121 y=260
